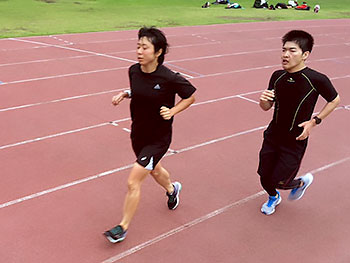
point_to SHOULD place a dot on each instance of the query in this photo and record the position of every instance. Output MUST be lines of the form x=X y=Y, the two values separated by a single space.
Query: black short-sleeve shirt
x=296 y=95
x=149 y=92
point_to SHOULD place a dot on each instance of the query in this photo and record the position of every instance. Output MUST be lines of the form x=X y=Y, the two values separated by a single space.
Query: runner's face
x=293 y=57
x=145 y=52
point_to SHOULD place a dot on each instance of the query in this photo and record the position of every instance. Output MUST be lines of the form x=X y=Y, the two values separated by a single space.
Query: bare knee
x=134 y=186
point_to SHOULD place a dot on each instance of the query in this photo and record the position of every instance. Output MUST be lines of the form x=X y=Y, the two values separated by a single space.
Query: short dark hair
x=157 y=38
x=302 y=38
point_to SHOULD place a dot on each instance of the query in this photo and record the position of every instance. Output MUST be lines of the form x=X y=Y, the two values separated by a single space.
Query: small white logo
x=156 y=86
x=143 y=158
x=291 y=80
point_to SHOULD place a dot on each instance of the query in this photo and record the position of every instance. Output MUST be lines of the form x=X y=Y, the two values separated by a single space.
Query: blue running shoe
x=174 y=199
x=116 y=234
x=269 y=207
x=298 y=192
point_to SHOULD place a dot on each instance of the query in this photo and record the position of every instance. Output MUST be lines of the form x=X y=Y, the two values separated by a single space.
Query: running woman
x=152 y=92
x=294 y=92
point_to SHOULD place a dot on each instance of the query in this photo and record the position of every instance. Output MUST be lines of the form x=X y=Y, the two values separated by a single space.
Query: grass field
x=44 y=17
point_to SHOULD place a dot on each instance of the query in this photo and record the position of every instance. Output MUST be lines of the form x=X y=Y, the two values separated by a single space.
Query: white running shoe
x=269 y=207
x=298 y=192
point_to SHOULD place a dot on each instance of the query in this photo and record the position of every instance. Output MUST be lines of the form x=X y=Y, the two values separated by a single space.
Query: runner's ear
x=159 y=52
x=305 y=55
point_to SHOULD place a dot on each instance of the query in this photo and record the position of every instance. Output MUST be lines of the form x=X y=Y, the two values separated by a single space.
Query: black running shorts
x=149 y=154
x=280 y=162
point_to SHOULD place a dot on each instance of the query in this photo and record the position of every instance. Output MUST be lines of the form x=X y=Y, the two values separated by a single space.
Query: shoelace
x=117 y=231
x=272 y=199
x=172 y=197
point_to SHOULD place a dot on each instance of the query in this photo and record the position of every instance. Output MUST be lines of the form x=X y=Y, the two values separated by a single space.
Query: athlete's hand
x=307 y=126
x=118 y=98
x=166 y=113
x=267 y=95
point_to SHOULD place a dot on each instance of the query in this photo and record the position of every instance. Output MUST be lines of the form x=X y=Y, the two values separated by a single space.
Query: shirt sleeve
x=182 y=86
x=325 y=87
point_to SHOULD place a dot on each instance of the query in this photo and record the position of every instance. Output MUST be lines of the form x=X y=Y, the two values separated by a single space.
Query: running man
x=294 y=92
x=152 y=92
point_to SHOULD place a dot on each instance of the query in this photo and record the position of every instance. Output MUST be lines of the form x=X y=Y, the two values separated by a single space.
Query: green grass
x=43 y=17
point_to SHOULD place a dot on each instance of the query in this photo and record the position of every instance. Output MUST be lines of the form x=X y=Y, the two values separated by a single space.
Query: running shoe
x=173 y=199
x=269 y=207
x=116 y=234
x=298 y=192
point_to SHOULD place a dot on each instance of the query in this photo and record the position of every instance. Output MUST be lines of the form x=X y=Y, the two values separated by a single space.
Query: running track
x=65 y=152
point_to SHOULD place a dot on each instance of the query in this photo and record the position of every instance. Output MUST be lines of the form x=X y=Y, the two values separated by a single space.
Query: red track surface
x=64 y=165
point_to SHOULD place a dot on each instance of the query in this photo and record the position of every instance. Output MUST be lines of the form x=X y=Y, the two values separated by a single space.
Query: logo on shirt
x=291 y=80
x=156 y=86
x=143 y=158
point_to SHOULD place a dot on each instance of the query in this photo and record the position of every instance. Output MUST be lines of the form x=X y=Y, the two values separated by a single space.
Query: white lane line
x=44 y=60
x=244 y=98
x=63 y=75
x=201 y=219
x=229 y=31
x=91 y=55
x=59 y=100
x=327 y=166
x=346 y=107
x=182 y=227
x=183 y=69
x=170 y=153
x=61 y=40
x=220 y=139
x=92 y=94
x=61 y=187
x=75 y=49
x=52 y=136
x=112 y=122
x=174 y=61
x=341 y=77
x=225 y=98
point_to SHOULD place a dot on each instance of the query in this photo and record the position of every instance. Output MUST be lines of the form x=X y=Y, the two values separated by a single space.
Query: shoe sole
x=177 y=197
x=111 y=239
x=273 y=211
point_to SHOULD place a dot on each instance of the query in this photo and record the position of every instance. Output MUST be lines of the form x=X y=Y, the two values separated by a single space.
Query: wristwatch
x=317 y=120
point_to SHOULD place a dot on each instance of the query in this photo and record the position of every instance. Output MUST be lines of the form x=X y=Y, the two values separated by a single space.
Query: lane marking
x=346 y=107
x=53 y=136
x=59 y=100
x=170 y=153
x=225 y=98
x=172 y=61
x=327 y=166
x=75 y=49
x=61 y=40
x=112 y=122
x=182 y=35
x=183 y=69
x=91 y=55
x=64 y=186
x=92 y=94
x=199 y=220
x=221 y=139
x=64 y=75
x=44 y=60
x=182 y=227
x=244 y=98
